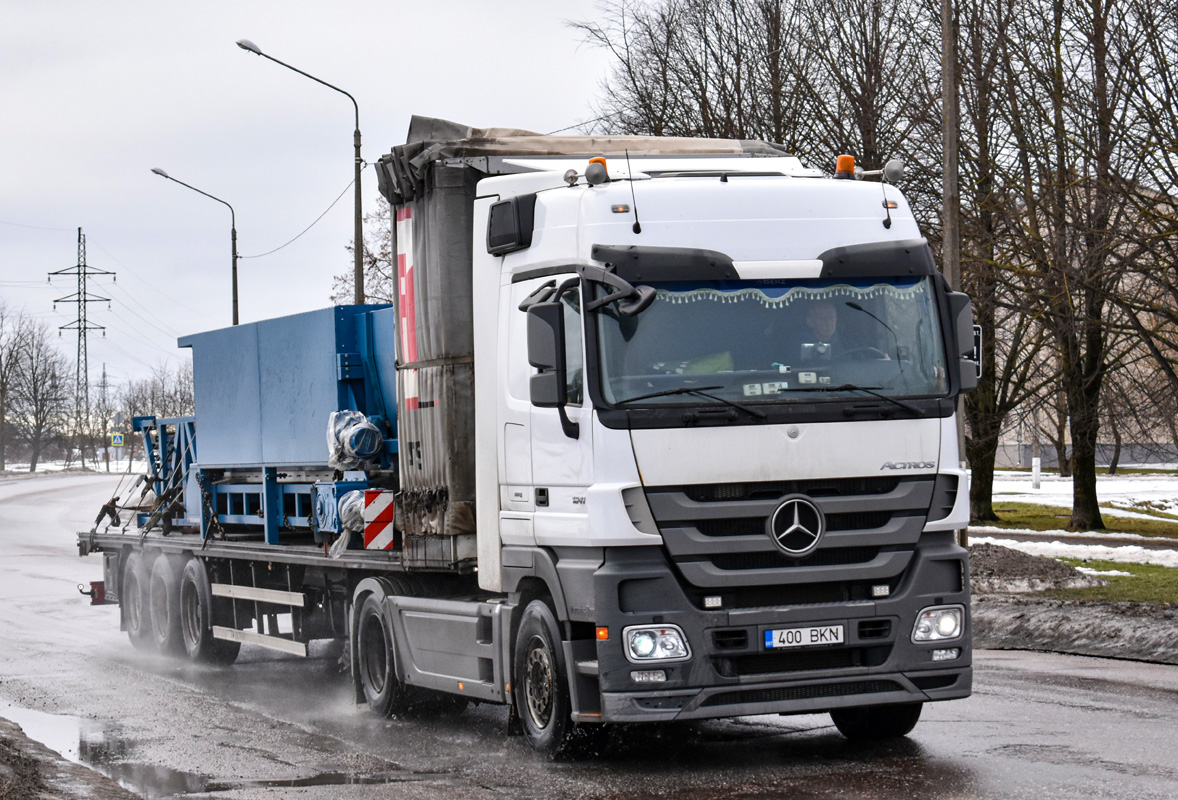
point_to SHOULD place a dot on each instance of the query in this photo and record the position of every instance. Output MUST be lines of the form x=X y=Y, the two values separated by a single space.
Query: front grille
x=739 y=526
x=802 y=660
x=858 y=521
x=754 y=526
x=875 y=629
x=840 y=487
x=731 y=639
x=801 y=692
x=717 y=534
x=834 y=556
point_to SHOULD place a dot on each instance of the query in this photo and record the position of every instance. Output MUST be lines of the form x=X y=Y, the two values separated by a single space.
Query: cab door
x=562 y=465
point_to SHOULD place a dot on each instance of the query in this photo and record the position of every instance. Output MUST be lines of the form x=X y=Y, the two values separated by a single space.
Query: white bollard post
x=1036 y=469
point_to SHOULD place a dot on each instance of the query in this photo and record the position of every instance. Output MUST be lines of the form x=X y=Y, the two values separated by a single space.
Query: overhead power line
x=309 y=227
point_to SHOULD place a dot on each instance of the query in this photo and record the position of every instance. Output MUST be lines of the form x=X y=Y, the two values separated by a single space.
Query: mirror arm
x=571 y=429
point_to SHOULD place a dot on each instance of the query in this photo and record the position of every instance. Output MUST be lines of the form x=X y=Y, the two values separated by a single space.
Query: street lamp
x=358 y=247
x=232 y=229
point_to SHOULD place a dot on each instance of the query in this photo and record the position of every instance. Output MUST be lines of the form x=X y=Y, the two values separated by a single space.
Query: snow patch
x=1126 y=554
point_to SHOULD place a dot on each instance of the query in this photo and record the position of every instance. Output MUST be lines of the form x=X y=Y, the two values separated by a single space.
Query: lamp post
x=358 y=246
x=232 y=229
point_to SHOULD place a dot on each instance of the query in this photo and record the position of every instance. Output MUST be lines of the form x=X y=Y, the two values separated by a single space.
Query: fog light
x=655 y=643
x=881 y=590
x=648 y=676
x=713 y=602
x=938 y=623
x=947 y=654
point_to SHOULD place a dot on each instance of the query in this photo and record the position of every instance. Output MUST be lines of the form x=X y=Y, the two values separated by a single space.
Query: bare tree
x=41 y=392
x=166 y=393
x=380 y=262
x=14 y=329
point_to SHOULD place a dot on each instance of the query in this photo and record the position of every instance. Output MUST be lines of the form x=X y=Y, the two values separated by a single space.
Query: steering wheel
x=863 y=354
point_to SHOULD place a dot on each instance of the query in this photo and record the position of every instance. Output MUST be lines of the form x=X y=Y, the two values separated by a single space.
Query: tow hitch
x=96 y=593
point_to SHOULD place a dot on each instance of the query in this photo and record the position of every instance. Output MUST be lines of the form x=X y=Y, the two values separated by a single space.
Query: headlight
x=939 y=624
x=655 y=643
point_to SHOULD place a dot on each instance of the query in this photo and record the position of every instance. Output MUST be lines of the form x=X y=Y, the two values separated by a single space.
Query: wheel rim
x=190 y=613
x=159 y=606
x=539 y=682
x=373 y=654
x=132 y=606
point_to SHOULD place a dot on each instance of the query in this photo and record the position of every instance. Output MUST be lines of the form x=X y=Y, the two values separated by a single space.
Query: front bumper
x=731 y=673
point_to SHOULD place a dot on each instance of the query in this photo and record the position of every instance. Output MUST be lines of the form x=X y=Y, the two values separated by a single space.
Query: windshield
x=775 y=341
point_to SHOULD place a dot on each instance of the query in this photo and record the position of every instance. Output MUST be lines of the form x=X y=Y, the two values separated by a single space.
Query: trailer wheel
x=134 y=602
x=876 y=722
x=375 y=661
x=164 y=594
x=196 y=618
x=541 y=681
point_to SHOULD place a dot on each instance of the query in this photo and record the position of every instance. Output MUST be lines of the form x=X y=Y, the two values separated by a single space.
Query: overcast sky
x=93 y=95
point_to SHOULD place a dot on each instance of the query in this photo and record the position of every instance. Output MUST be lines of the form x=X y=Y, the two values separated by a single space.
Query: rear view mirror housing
x=548 y=388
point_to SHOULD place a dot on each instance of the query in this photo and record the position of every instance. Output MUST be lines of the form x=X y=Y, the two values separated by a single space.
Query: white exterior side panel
x=485 y=291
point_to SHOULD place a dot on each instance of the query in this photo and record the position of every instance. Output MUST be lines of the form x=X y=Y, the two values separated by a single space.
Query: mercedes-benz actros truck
x=653 y=429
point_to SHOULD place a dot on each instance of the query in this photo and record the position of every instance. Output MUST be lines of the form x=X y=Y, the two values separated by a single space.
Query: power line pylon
x=81 y=298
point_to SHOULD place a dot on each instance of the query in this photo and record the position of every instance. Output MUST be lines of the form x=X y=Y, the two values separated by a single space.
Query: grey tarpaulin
x=401 y=174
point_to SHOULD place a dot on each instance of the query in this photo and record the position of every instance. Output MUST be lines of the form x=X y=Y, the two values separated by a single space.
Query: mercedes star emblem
x=797 y=525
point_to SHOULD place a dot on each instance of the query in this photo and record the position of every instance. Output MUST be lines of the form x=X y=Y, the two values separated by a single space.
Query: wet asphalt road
x=276 y=726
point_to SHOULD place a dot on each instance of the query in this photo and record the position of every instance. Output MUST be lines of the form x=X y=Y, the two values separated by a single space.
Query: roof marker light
x=845 y=167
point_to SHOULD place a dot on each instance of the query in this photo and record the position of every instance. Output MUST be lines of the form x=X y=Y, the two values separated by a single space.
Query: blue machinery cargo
x=264 y=392
x=712 y=457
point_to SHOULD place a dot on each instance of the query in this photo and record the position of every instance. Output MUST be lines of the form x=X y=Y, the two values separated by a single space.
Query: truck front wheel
x=383 y=692
x=876 y=722
x=541 y=681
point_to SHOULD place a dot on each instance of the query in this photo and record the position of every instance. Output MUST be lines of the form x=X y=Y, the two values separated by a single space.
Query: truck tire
x=134 y=604
x=196 y=618
x=376 y=661
x=541 y=681
x=876 y=722
x=164 y=593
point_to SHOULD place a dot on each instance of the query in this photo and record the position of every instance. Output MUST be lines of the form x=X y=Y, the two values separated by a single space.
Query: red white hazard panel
x=407 y=308
x=378 y=519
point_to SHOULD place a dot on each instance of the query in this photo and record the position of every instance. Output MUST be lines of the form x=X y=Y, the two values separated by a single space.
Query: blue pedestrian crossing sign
x=116 y=440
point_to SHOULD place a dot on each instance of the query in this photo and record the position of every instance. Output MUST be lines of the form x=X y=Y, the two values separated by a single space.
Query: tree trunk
x=1112 y=467
x=981 y=488
x=1085 y=427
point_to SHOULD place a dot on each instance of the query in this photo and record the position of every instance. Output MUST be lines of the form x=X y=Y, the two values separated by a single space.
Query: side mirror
x=546 y=353
x=962 y=310
x=546 y=347
x=968 y=347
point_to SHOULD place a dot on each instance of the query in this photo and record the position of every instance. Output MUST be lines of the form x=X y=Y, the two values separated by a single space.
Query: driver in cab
x=821 y=341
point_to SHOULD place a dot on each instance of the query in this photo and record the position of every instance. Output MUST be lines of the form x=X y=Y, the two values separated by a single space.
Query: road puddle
x=102 y=747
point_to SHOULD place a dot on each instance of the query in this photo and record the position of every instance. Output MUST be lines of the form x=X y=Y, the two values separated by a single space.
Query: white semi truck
x=656 y=429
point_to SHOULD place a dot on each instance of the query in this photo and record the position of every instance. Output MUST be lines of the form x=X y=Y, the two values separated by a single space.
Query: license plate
x=804 y=637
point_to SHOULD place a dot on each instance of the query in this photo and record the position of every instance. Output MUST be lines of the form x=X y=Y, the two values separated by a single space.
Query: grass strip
x=1148 y=583
x=1047 y=518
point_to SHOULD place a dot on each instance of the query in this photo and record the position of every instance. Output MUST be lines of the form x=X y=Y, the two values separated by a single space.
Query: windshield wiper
x=702 y=391
x=850 y=387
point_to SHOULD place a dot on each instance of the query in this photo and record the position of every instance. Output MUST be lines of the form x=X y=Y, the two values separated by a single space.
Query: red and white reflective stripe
x=406 y=297
x=378 y=519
